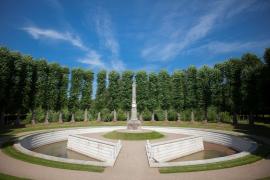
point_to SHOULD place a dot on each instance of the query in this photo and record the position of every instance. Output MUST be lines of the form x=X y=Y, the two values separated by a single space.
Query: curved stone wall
x=243 y=145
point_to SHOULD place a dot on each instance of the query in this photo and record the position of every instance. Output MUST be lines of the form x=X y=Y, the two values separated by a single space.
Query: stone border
x=245 y=146
x=34 y=140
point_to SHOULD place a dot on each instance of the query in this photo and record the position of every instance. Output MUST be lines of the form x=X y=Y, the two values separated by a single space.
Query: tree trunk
x=60 y=120
x=192 y=117
x=2 y=120
x=141 y=118
x=178 y=117
x=98 y=118
x=166 y=115
x=85 y=115
x=72 y=118
x=127 y=114
x=153 y=116
x=218 y=118
x=251 y=119
x=18 y=120
x=114 y=115
x=205 y=116
x=33 y=121
x=235 y=119
x=46 y=117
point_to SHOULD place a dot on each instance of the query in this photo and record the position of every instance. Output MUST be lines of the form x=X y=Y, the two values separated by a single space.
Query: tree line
x=38 y=91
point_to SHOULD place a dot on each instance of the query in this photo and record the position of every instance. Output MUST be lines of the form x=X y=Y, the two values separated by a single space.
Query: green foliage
x=87 y=90
x=178 y=90
x=225 y=117
x=146 y=115
x=106 y=115
x=212 y=113
x=191 y=87
x=79 y=115
x=172 y=115
x=75 y=89
x=113 y=90
x=204 y=88
x=34 y=86
x=152 y=100
x=164 y=89
x=121 y=115
x=185 y=115
x=101 y=90
x=126 y=90
x=159 y=115
x=141 y=90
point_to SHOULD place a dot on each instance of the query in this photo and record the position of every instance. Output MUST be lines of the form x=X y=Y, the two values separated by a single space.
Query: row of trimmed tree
x=36 y=88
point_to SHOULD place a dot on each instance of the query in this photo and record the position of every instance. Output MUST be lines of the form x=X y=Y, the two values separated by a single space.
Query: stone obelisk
x=134 y=123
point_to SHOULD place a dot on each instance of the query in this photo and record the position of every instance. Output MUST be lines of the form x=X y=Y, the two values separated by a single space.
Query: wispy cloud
x=105 y=31
x=182 y=38
x=218 y=47
x=93 y=59
x=39 y=33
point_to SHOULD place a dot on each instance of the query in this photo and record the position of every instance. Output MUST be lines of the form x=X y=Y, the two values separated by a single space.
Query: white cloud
x=39 y=33
x=93 y=59
x=180 y=38
x=218 y=47
x=104 y=29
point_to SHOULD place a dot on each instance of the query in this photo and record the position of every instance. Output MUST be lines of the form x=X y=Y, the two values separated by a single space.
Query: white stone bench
x=95 y=148
x=173 y=149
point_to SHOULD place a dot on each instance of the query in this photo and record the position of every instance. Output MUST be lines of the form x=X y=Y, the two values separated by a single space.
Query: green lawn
x=260 y=153
x=8 y=177
x=8 y=149
x=133 y=136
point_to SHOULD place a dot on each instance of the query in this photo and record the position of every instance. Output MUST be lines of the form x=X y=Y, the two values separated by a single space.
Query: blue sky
x=136 y=35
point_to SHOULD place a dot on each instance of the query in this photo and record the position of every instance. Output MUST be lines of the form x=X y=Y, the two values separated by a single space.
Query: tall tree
x=100 y=101
x=142 y=90
x=87 y=90
x=113 y=91
x=75 y=91
x=33 y=99
x=62 y=89
x=126 y=90
x=234 y=68
x=191 y=89
x=152 y=100
x=5 y=72
x=164 y=80
x=22 y=84
x=250 y=83
x=216 y=90
x=204 y=89
x=178 y=89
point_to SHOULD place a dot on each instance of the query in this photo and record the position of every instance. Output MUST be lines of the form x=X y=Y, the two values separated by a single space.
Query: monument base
x=134 y=125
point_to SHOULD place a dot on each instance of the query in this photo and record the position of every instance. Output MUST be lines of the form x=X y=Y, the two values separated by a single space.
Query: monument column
x=133 y=123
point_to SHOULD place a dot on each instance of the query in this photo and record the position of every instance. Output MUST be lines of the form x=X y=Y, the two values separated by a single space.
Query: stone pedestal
x=133 y=124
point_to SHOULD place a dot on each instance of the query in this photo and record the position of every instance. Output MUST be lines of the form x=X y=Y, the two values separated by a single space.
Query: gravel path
x=131 y=164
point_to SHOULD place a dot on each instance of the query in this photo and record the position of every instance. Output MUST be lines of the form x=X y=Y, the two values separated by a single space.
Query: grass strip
x=260 y=153
x=11 y=151
x=9 y=177
x=133 y=136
